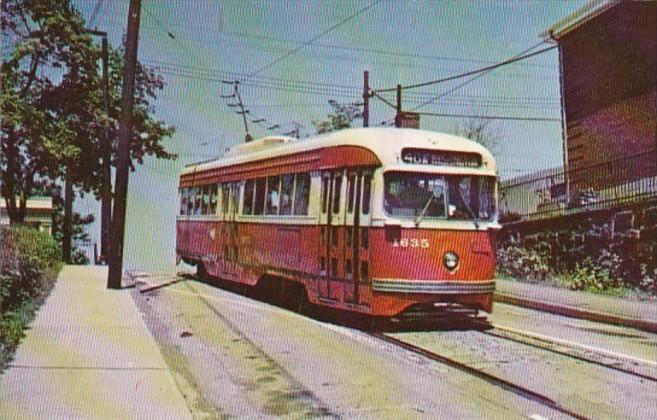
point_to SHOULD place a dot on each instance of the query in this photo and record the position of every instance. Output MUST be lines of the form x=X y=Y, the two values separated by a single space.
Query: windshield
x=457 y=197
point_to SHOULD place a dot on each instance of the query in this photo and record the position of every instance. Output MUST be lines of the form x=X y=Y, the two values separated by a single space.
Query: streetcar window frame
x=366 y=194
x=287 y=194
x=337 y=192
x=248 y=197
x=259 y=196
x=302 y=194
x=273 y=196
x=183 y=201
x=212 y=206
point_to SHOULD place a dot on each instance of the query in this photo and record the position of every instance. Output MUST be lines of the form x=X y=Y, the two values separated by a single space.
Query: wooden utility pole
x=398 y=117
x=366 y=98
x=125 y=133
x=106 y=193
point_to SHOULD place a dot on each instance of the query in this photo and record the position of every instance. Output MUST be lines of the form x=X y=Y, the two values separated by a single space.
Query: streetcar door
x=229 y=252
x=356 y=256
x=331 y=226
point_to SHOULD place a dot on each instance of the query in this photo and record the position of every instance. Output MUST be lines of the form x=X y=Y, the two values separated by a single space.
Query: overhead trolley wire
x=472 y=72
x=316 y=37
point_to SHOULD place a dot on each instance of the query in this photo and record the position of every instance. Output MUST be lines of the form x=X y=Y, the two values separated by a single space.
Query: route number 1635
x=410 y=242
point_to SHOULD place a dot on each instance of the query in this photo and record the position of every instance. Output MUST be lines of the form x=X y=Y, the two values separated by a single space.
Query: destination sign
x=441 y=158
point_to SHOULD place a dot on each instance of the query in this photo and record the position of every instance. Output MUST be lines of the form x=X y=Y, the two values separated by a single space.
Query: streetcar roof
x=385 y=143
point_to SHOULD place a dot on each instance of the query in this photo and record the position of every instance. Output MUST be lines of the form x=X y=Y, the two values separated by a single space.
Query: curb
x=573 y=312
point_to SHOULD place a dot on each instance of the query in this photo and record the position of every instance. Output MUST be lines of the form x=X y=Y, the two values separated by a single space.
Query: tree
x=54 y=121
x=342 y=117
x=481 y=131
x=51 y=60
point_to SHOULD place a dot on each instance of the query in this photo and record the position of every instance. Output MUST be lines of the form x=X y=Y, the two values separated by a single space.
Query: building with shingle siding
x=608 y=66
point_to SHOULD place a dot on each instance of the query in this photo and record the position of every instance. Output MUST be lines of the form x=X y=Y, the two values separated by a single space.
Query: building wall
x=609 y=66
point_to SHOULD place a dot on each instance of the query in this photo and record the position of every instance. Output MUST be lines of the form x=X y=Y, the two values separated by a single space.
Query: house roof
x=573 y=21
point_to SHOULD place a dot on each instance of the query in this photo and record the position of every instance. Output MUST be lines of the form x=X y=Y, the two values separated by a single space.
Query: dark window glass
x=190 y=200
x=225 y=190
x=235 y=197
x=351 y=187
x=287 y=193
x=198 y=193
x=206 y=200
x=273 y=196
x=367 y=190
x=183 y=201
x=364 y=238
x=212 y=209
x=337 y=188
x=325 y=192
x=413 y=195
x=348 y=269
x=322 y=266
x=249 y=189
x=259 y=202
x=334 y=267
x=302 y=194
x=334 y=236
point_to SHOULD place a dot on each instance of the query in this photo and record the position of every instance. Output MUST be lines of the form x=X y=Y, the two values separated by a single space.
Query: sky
x=293 y=56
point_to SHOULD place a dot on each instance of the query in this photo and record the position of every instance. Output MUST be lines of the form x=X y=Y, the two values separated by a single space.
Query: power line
x=472 y=72
x=316 y=37
x=490 y=117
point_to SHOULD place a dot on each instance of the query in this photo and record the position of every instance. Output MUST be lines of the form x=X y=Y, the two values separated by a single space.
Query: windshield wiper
x=470 y=212
x=419 y=218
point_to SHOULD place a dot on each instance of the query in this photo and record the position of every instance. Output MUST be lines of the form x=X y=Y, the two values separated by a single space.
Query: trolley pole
x=366 y=98
x=125 y=132
x=398 y=117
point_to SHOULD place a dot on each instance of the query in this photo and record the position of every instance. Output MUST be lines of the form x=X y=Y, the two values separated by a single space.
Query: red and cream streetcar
x=379 y=221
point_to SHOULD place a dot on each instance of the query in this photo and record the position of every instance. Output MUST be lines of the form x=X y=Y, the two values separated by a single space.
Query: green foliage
x=523 y=263
x=29 y=263
x=342 y=117
x=601 y=273
x=54 y=121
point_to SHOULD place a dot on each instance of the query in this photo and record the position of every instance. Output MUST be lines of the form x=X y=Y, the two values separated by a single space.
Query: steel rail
x=545 y=343
x=492 y=379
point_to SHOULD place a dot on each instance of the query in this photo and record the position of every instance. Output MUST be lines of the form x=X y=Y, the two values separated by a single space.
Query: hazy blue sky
x=397 y=41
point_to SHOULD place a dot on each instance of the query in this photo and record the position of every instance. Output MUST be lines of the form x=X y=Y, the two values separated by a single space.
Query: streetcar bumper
x=432 y=287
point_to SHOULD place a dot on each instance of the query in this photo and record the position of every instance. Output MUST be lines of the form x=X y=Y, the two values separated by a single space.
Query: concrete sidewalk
x=578 y=304
x=88 y=354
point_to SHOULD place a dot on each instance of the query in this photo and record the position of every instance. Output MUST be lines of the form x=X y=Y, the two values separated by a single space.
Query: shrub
x=523 y=263
x=602 y=273
x=29 y=262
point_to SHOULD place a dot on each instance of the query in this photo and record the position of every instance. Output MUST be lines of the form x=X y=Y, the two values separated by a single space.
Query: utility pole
x=106 y=150
x=125 y=133
x=398 y=117
x=366 y=98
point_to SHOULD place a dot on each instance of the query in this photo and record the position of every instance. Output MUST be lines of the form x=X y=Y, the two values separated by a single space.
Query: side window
x=183 y=201
x=249 y=190
x=235 y=197
x=351 y=187
x=198 y=193
x=287 y=194
x=302 y=194
x=190 y=201
x=212 y=209
x=273 y=197
x=325 y=191
x=259 y=202
x=206 y=199
x=367 y=191
x=225 y=190
x=337 y=188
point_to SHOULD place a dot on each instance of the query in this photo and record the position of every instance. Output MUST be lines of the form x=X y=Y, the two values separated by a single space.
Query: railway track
x=479 y=373
x=611 y=360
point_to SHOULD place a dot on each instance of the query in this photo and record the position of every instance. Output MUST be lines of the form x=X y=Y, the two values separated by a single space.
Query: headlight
x=451 y=260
